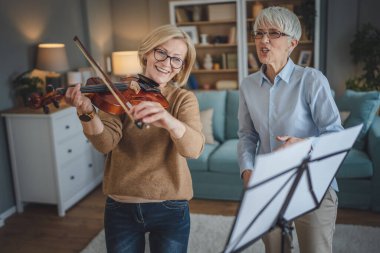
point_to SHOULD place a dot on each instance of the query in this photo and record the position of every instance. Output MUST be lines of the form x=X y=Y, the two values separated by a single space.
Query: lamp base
x=54 y=79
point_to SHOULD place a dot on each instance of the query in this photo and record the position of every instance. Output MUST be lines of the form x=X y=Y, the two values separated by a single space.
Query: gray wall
x=24 y=24
x=132 y=20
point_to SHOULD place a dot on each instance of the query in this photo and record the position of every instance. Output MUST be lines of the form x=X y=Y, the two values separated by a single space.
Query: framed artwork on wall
x=192 y=32
x=305 y=58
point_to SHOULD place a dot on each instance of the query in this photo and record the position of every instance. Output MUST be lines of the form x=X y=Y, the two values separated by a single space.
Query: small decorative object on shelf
x=192 y=32
x=204 y=39
x=305 y=58
x=207 y=62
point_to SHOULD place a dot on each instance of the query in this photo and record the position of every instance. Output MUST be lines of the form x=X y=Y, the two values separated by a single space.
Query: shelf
x=209 y=46
x=301 y=42
x=213 y=71
x=206 y=22
x=244 y=46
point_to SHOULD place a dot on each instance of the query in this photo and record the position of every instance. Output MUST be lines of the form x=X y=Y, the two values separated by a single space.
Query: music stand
x=287 y=184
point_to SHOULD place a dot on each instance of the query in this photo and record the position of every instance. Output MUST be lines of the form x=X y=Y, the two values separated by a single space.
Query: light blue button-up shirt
x=298 y=104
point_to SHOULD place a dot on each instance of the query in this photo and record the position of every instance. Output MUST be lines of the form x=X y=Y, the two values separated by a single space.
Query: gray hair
x=280 y=18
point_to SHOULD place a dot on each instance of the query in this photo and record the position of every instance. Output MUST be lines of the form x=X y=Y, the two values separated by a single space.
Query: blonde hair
x=281 y=18
x=159 y=36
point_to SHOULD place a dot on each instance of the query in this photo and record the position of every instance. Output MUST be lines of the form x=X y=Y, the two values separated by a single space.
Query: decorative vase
x=207 y=62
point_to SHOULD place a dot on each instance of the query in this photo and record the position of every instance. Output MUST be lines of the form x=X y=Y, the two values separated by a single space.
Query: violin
x=134 y=88
x=144 y=89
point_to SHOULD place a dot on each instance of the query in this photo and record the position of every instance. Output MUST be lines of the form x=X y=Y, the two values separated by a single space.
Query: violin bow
x=107 y=81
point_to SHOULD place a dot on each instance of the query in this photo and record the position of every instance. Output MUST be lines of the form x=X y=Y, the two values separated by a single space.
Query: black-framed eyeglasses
x=271 y=34
x=161 y=55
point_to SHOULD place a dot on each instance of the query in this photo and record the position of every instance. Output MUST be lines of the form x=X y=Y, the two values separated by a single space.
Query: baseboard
x=6 y=214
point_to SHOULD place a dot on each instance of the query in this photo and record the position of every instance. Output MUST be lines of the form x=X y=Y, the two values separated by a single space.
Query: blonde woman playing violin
x=146 y=177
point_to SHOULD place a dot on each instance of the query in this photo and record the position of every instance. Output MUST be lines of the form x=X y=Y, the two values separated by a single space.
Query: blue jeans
x=125 y=225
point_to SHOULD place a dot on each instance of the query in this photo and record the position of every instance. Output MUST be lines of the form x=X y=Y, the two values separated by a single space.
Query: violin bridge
x=135 y=87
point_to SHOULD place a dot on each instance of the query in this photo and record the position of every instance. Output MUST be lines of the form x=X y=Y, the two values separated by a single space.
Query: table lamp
x=52 y=58
x=125 y=63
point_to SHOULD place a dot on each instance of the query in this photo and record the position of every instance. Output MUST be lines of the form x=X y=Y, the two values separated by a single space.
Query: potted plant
x=365 y=49
x=25 y=85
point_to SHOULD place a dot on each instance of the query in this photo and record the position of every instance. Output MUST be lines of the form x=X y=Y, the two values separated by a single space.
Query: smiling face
x=274 y=52
x=162 y=71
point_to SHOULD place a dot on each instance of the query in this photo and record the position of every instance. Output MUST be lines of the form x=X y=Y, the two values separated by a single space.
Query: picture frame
x=192 y=32
x=304 y=59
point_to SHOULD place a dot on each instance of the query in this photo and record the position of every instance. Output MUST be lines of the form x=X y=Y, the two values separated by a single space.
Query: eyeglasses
x=161 y=55
x=271 y=34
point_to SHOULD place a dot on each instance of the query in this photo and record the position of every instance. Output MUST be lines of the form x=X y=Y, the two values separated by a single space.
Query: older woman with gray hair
x=282 y=104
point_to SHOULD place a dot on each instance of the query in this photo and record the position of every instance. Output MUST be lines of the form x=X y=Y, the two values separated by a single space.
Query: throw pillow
x=344 y=116
x=363 y=107
x=206 y=120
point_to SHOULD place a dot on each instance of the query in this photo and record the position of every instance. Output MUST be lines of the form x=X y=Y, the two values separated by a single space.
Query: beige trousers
x=314 y=230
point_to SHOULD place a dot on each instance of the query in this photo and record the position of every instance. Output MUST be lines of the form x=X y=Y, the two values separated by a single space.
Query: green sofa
x=216 y=172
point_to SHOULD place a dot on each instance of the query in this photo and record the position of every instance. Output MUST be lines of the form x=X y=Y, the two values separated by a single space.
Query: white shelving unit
x=242 y=47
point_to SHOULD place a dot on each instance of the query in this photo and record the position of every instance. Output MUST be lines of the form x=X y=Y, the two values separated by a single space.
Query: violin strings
x=105 y=79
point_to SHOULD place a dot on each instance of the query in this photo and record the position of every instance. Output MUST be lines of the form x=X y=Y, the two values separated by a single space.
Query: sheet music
x=273 y=177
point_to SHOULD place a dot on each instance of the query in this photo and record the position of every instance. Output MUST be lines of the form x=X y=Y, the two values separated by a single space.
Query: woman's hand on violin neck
x=75 y=98
x=154 y=114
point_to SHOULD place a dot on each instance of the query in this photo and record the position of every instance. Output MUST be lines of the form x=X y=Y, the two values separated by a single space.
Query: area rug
x=210 y=232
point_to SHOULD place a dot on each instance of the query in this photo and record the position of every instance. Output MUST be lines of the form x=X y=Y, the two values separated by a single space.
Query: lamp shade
x=52 y=57
x=125 y=63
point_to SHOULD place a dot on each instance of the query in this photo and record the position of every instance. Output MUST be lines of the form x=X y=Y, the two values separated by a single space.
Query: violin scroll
x=52 y=96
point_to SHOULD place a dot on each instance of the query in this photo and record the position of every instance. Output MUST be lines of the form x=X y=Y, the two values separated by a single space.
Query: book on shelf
x=231 y=60
x=181 y=15
x=192 y=83
x=232 y=35
x=222 y=60
x=252 y=62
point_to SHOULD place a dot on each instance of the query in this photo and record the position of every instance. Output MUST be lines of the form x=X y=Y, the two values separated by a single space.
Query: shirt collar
x=285 y=73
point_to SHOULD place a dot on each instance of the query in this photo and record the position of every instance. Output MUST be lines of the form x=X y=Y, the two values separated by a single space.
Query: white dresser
x=52 y=161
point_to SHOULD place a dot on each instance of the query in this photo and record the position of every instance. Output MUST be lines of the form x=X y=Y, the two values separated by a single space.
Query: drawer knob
x=72 y=177
x=90 y=165
x=67 y=127
x=69 y=150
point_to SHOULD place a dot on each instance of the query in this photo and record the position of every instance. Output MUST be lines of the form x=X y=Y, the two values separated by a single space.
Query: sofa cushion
x=201 y=163
x=362 y=107
x=232 y=124
x=224 y=159
x=356 y=165
x=217 y=101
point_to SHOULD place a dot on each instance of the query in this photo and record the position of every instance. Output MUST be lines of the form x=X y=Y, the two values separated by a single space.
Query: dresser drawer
x=71 y=148
x=66 y=125
x=75 y=175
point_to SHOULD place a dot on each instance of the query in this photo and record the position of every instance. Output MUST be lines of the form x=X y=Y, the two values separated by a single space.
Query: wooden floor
x=39 y=229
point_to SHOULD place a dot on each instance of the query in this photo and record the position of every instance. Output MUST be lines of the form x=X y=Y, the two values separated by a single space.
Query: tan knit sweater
x=149 y=163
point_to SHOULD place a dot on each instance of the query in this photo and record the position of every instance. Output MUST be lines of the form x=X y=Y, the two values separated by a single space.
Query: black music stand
x=288 y=184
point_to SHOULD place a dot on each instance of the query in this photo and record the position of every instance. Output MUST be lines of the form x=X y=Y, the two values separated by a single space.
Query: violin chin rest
x=148 y=81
